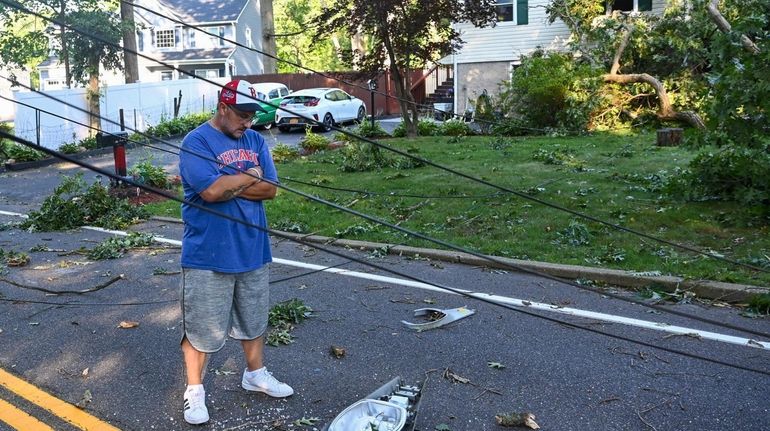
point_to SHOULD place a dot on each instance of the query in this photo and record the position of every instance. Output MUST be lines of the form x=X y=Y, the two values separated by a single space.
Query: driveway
x=274 y=137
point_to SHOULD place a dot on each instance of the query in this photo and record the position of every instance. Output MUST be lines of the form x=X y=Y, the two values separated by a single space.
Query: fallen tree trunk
x=666 y=112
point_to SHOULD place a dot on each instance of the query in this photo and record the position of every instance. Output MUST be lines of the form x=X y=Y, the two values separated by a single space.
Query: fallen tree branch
x=725 y=27
x=666 y=111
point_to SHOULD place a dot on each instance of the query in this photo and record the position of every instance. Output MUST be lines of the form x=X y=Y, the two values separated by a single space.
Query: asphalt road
x=569 y=378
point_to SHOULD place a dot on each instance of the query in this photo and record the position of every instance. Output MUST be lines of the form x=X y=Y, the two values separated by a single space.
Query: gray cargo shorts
x=216 y=304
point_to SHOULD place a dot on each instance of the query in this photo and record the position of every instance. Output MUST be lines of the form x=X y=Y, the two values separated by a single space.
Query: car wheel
x=283 y=129
x=328 y=122
x=267 y=126
x=361 y=115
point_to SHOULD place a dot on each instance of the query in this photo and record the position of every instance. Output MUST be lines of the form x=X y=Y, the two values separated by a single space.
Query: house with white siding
x=165 y=34
x=490 y=55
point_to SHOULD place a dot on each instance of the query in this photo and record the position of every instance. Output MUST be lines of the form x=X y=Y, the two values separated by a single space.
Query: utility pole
x=130 y=61
x=64 y=54
x=268 y=36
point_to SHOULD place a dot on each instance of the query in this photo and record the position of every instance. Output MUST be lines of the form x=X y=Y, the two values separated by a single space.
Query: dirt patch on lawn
x=136 y=195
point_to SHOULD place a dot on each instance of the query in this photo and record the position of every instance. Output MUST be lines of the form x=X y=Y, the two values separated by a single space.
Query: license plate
x=294 y=121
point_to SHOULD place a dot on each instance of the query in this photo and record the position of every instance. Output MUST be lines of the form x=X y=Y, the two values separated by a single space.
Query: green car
x=272 y=93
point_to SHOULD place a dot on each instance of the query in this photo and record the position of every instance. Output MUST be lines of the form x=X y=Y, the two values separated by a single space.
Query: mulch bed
x=136 y=195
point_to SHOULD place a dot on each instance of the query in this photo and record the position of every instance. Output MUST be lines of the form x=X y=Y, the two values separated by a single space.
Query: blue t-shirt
x=211 y=242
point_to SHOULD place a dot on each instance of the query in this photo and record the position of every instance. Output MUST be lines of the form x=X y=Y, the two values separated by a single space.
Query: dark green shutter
x=522 y=12
x=644 y=5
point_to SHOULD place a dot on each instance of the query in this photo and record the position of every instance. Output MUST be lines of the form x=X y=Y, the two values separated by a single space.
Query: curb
x=11 y=167
x=706 y=289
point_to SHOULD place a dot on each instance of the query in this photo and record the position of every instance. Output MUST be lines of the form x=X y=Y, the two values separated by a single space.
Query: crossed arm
x=247 y=185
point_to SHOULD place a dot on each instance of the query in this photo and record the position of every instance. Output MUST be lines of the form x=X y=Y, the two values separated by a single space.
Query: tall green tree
x=84 y=34
x=405 y=35
x=95 y=43
x=23 y=40
x=295 y=38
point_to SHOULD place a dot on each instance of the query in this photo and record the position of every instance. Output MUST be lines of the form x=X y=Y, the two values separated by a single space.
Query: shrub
x=4 y=143
x=455 y=127
x=424 y=128
x=22 y=153
x=89 y=143
x=731 y=174
x=283 y=153
x=366 y=130
x=313 y=142
x=145 y=172
x=362 y=156
x=510 y=127
x=177 y=126
x=541 y=93
x=70 y=148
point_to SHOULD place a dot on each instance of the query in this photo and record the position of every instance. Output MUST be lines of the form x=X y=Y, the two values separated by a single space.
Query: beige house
x=490 y=55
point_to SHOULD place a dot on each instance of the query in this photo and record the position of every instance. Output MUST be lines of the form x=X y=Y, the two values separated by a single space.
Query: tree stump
x=670 y=136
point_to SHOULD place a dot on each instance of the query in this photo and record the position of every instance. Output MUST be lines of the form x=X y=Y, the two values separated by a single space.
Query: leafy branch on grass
x=74 y=204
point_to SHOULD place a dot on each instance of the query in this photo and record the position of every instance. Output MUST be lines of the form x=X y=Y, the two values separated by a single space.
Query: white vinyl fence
x=143 y=104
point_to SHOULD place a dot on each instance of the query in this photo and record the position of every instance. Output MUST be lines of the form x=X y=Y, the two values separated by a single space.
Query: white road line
x=657 y=326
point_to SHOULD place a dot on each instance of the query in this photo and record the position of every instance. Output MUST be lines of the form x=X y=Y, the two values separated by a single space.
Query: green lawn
x=617 y=178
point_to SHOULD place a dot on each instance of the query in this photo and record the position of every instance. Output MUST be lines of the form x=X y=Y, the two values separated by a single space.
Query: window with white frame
x=512 y=11
x=217 y=35
x=207 y=73
x=630 y=5
x=165 y=38
x=166 y=75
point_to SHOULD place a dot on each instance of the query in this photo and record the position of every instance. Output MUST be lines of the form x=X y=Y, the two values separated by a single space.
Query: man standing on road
x=224 y=263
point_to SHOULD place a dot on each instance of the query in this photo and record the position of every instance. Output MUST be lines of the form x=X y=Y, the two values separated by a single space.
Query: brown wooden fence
x=385 y=101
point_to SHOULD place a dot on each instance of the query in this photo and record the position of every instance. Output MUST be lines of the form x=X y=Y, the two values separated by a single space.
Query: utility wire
x=477 y=254
x=446 y=244
x=88 y=304
x=443 y=243
x=423 y=160
x=426 y=161
x=83 y=164
x=478 y=180
x=391 y=194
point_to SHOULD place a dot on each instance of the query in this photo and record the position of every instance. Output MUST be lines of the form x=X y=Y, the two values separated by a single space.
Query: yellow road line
x=20 y=420
x=62 y=409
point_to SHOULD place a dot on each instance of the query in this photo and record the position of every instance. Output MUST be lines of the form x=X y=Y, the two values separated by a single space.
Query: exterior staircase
x=444 y=93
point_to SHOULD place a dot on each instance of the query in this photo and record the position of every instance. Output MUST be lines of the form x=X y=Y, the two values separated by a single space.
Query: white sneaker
x=195 y=411
x=262 y=380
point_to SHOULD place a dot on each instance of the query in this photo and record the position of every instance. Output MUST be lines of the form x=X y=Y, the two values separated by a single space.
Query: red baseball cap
x=240 y=95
